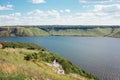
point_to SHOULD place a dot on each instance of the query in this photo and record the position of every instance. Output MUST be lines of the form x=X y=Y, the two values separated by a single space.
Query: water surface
x=97 y=55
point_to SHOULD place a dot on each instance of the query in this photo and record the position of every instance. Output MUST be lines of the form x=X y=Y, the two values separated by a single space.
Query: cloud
x=57 y=17
x=10 y=19
x=95 y=0
x=61 y=11
x=84 y=1
x=90 y=18
x=113 y=8
x=53 y=13
x=10 y=16
x=67 y=10
x=37 y=12
x=98 y=1
x=38 y=1
x=50 y=13
x=7 y=7
x=44 y=14
x=15 y=14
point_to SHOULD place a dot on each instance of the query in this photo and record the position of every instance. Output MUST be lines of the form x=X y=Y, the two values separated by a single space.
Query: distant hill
x=27 y=61
x=52 y=30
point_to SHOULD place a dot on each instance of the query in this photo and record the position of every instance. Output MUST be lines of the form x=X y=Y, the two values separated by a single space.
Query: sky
x=59 y=12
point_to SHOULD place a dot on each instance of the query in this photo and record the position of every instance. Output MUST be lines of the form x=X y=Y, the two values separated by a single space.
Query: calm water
x=100 y=56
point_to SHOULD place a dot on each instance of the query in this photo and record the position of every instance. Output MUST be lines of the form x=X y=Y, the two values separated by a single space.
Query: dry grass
x=19 y=50
x=12 y=61
x=9 y=68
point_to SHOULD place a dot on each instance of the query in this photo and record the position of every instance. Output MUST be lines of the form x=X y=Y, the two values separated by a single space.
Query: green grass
x=13 y=76
x=36 y=31
x=81 y=32
x=22 y=31
x=21 y=45
x=31 y=63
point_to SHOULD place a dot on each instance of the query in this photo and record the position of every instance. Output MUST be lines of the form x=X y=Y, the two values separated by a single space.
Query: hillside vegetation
x=97 y=31
x=21 y=31
x=28 y=61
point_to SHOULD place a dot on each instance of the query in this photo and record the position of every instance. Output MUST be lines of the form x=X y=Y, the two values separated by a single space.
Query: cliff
x=91 y=31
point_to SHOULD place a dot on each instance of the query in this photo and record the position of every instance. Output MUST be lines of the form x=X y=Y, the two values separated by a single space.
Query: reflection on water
x=100 y=56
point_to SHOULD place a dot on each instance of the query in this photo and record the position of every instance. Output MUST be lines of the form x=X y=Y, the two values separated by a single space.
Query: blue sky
x=59 y=12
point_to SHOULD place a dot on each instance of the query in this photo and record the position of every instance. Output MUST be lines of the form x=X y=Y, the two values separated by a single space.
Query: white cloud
x=62 y=11
x=65 y=11
x=7 y=7
x=85 y=1
x=53 y=17
x=95 y=0
x=15 y=14
x=48 y=14
x=98 y=18
x=38 y=1
x=53 y=13
x=10 y=19
x=37 y=12
x=45 y=14
x=107 y=8
x=98 y=1
x=68 y=10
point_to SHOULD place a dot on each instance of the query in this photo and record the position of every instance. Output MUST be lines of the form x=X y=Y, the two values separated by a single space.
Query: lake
x=97 y=55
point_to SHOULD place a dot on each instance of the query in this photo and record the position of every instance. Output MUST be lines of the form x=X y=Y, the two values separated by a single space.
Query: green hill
x=21 y=31
x=96 y=31
x=28 y=61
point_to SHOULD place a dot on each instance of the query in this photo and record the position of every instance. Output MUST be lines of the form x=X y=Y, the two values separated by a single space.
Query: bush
x=68 y=66
x=33 y=56
x=21 y=45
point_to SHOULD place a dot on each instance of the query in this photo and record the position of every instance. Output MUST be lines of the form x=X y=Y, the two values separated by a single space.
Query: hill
x=28 y=61
x=96 y=31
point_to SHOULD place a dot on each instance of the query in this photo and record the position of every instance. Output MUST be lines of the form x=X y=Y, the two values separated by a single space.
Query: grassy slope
x=80 y=32
x=13 y=65
x=116 y=33
x=36 y=31
x=22 y=31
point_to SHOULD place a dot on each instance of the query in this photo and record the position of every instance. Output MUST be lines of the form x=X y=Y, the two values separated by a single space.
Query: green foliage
x=39 y=55
x=22 y=31
x=38 y=32
x=21 y=45
x=60 y=31
x=67 y=65
x=31 y=56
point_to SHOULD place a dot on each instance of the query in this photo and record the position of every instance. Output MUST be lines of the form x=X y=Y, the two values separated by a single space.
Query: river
x=97 y=55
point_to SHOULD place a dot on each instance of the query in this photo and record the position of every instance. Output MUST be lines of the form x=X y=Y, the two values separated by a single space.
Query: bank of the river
x=96 y=31
x=97 y=55
x=22 y=61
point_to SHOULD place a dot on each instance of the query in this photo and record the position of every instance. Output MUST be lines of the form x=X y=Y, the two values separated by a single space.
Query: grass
x=26 y=69
x=29 y=46
x=22 y=31
x=65 y=31
x=13 y=65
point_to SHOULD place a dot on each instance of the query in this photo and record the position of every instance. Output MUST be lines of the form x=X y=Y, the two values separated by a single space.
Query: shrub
x=21 y=45
x=68 y=66
x=33 y=56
